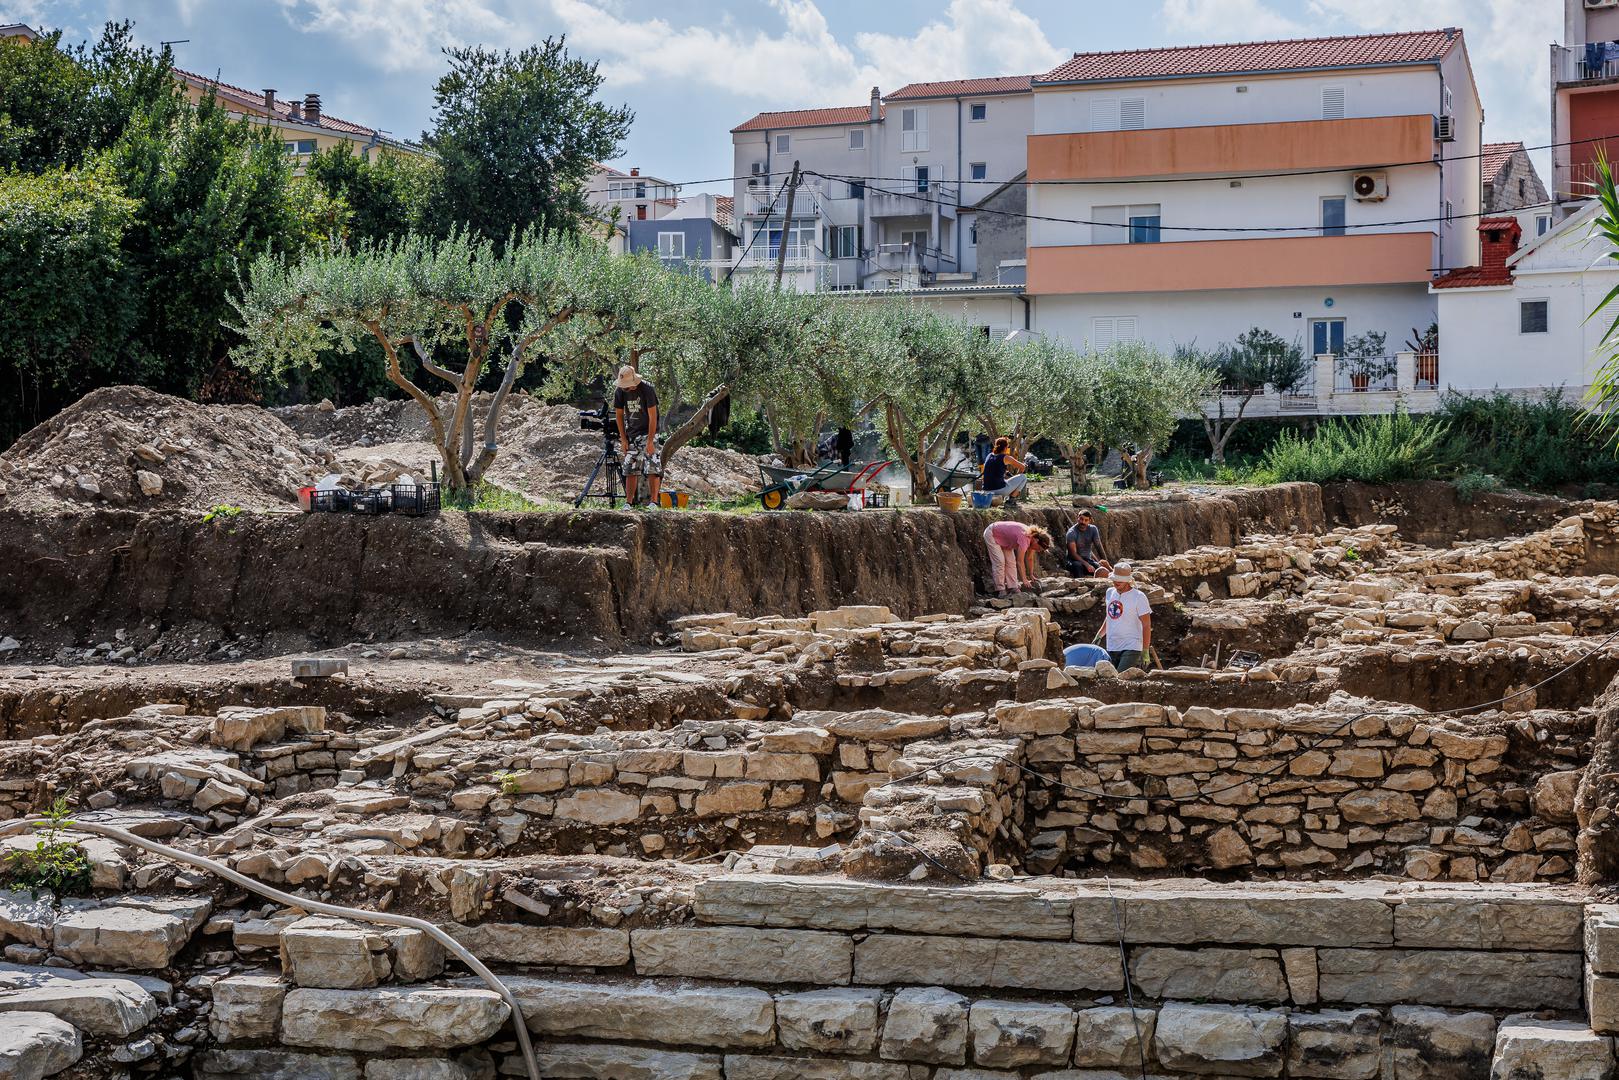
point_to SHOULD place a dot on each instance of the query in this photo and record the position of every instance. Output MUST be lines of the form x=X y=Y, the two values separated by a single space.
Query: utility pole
x=786 y=225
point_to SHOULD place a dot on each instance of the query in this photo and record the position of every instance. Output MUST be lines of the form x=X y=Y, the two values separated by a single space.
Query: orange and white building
x=1312 y=187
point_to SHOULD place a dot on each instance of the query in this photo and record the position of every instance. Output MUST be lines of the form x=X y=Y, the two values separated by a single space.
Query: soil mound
x=134 y=447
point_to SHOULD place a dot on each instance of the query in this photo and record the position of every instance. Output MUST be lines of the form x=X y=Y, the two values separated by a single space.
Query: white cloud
x=1227 y=20
x=402 y=35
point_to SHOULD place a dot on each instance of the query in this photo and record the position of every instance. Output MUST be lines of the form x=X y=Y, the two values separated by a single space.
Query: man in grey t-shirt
x=1083 y=554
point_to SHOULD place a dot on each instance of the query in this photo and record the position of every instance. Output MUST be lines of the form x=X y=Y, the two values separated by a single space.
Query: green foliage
x=1602 y=399
x=485 y=496
x=1539 y=443
x=517 y=135
x=372 y=198
x=55 y=865
x=1472 y=483
x=221 y=512
x=1374 y=450
x=1143 y=395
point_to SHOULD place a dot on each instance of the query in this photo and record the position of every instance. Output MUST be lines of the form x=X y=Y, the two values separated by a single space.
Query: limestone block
x=1340 y=1045
x=1497 y=922
x=726 y=952
x=1247 y=917
x=877 y=725
x=1113 y=1036
x=1303 y=976
x=246 y=1007
x=841 y=1021
x=927 y=1024
x=653 y=1012
x=416 y=957
x=35 y=1045
x=1223 y=1040
x=109 y=1006
x=1379 y=807
x=599 y=1062
x=121 y=937
x=799 y=740
x=1498 y=980
x=1129 y=715
x=599 y=807
x=1432 y=1044
x=1527 y=1048
x=1209 y=974
x=746 y=1067
x=240 y=727
x=392 y=1018
x=1014 y=1033
x=334 y=954
x=1602 y=938
x=1602 y=1002
x=955 y=961
x=520 y=943
x=850 y=617
x=738 y=798
x=1035 y=718
x=423 y=1069
x=1553 y=795
x=273 y=1065
x=992 y=910
x=27 y=919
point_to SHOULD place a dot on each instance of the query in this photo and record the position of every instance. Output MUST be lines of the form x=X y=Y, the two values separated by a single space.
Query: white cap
x=628 y=378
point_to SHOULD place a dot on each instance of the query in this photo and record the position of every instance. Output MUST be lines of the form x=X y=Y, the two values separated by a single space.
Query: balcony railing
x=1573 y=64
x=1358 y=374
x=769 y=199
x=892 y=202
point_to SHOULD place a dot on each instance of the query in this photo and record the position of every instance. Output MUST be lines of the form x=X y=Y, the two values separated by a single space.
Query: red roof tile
x=1000 y=84
x=1471 y=277
x=1495 y=272
x=797 y=118
x=725 y=210
x=1365 y=50
x=236 y=95
x=1496 y=156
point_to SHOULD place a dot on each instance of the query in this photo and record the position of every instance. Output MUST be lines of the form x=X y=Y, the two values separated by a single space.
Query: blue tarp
x=1083 y=655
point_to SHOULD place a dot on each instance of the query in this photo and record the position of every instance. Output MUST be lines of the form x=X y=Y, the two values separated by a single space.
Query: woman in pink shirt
x=1012 y=551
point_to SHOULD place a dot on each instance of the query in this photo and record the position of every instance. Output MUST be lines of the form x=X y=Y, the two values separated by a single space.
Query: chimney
x=1498 y=241
x=635 y=170
x=312 y=108
x=295 y=110
x=876 y=105
x=269 y=101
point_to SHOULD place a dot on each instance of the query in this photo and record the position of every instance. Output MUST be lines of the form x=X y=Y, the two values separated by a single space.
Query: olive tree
x=1032 y=390
x=425 y=300
x=1069 y=385
x=1144 y=394
x=1241 y=371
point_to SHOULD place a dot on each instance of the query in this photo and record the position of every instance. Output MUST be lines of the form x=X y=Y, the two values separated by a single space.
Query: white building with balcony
x=1313 y=188
x=623 y=197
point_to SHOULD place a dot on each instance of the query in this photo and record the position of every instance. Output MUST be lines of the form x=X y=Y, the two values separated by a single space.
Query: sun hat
x=628 y=378
x=1121 y=572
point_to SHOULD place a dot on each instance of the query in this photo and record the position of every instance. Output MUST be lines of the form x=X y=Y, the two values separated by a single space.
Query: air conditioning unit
x=1593 y=4
x=753 y=181
x=1370 y=186
x=758 y=168
x=1445 y=126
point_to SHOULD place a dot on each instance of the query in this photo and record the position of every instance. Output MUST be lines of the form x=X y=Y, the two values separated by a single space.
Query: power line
x=731 y=272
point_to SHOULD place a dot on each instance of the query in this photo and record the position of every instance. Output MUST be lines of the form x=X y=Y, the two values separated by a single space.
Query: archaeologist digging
x=1128 y=624
x=1085 y=556
x=1013 y=549
x=635 y=404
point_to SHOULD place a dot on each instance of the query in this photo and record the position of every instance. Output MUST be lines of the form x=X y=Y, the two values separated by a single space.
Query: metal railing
x=1572 y=63
x=1358 y=374
x=769 y=198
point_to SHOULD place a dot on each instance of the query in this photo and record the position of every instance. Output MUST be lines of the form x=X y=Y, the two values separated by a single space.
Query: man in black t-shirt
x=1083 y=554
x=635 y=406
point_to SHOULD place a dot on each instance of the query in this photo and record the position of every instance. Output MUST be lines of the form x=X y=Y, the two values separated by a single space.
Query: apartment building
x=625 y=197
x=302 y=124
x=1585 y=98
x=696 y=234
x=889 y=190
x=1311 y=187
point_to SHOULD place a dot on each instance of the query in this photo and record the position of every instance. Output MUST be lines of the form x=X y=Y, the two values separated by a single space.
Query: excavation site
x=708 y=796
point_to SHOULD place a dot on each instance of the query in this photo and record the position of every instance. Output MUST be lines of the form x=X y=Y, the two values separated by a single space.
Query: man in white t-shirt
x=1128 y=622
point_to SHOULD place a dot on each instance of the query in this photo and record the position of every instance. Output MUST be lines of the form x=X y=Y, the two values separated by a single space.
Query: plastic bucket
x=949 y=501
x=982 y=500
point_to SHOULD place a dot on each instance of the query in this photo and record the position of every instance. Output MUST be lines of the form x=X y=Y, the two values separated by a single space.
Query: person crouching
x=1013 y=551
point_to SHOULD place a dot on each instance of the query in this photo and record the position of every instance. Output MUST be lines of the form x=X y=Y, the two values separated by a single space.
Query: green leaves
x=1602 y=399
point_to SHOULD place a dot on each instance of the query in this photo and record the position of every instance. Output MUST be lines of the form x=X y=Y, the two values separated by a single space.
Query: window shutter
x=1102 y=332
x=1132 y=114
x=1124 y=328
x=1333 y=103
x=1105 y=115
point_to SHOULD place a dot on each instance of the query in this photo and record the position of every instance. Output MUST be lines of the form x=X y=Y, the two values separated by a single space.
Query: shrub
x=1539 y=443
x=1374 y=450
x=1472 y=483
x=55 y=865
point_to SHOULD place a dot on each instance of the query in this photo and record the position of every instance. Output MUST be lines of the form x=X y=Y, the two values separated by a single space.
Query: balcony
x=1572 y=66
x=769 y=199
x=892 y=203
x=1353 y=143
x=1193 y=265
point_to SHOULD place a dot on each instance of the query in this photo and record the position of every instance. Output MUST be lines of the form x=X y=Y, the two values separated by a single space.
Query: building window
x=846 y=241
x=913 y=129
x=784 y=143
x=1109 y=330
x=978 y=110
x=1523 y=188
x=1132 y=114
x=1116 y=114
x=671 y=245
x=857 y=138
x=972 y=234
x=300 y=147
x=1126 y=224
x=640 y=189
x=1332 y=216
x=1532 y=316
x=857 y=189
x=917 y=239
x=1334 y=103
x=640 y=212
x=800 y=239
x=980 y=170
x=1450 y=213
x=923 y=175
x=1543 y=224
x=1326 y=336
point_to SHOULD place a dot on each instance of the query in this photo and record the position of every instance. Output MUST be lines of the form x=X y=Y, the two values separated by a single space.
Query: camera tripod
x=610 y=468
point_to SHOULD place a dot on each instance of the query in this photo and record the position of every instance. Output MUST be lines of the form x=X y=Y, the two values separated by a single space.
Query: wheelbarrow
x=780 y=483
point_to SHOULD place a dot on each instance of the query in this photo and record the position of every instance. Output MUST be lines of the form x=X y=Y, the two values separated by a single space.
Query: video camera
x=593 y=419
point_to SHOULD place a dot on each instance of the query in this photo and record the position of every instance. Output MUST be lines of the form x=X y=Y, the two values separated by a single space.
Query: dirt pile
x=132 y=447
x=543 y=452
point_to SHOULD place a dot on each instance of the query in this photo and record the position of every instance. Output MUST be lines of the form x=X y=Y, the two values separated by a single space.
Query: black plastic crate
x=374 y=501
x=331 y=501
x=415 y=499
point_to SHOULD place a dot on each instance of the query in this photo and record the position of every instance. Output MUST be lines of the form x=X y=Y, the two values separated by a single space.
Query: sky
x=693 y=69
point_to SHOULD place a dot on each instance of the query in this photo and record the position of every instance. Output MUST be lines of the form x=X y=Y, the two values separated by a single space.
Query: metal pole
x=786 y=225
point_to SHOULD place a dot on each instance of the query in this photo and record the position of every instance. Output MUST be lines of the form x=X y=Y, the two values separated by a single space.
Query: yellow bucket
x=949 y=501
x=674 y=500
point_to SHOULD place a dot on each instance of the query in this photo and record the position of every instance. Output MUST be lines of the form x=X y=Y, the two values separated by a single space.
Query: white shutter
x=1124 y=328
x=1132 y=114
x=1105 y=114
x=1333 y=103
x=1109 y=224
x=1102 y=332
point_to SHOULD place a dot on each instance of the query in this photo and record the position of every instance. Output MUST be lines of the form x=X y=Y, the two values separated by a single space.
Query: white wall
x=1463 y=181
x=1216 y=316
x=1481 y=348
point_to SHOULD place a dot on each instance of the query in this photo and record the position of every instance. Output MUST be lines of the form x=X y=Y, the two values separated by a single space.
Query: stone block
x=568 y=946
x=1601 y=938
x=1015 y=1033
x=426 y=1069
x=122 y=937
x=1602 y=1002
x=955 y=961
x=876 y=725
x=1222 y=1040
x=1433 y=1044
x=841 y=1021
x=1497 y=922
x=1553 y=795
x=392 y=1018
x=742 y=797
x=1209 y=974
x=111 y=1007
x=246 y=1007
x=1498 y=980
x=653 y=1012
x=1341 y=1045
x=1528 y=1048
x=273 y=1065
x=599 y=807
x=35 y=1045
x=927 y=1024
x=241 y=727
x=1114 y=1036
x=28 y=919
x=571 y=1061
x=1303 y=977
x=333 y=954
x=1301 y=915
x=1035 y=718
x=992 y=910
x=759 y=955
x=416 y=956
x=747 y=1067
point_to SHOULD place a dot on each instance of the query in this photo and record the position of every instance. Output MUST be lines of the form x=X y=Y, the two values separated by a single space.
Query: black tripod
x=610 y=467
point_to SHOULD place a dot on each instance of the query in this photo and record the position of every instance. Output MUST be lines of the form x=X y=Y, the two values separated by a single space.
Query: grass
x=492 y=497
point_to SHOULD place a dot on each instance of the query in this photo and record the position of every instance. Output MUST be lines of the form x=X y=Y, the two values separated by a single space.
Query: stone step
x=97 y=1005
x=1530 y=1048
x=36 y=1044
